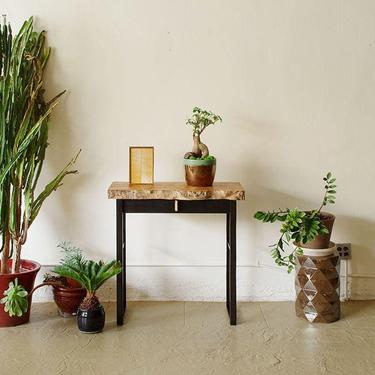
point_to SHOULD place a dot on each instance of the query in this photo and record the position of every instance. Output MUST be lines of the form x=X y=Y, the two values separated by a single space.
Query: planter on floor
x=91 y=320
x=26 y=278
x=68 y=299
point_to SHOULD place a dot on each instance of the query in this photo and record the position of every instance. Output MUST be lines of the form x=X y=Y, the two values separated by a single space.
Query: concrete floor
x=193 y=338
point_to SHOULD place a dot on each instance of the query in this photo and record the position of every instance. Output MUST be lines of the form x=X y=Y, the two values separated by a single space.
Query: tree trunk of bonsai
x=199 y=148
x=196 y=150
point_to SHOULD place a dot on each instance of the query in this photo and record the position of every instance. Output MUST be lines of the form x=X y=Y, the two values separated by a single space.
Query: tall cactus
x=24 y=119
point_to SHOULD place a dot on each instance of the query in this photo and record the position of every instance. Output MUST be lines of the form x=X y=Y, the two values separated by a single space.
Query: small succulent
x=15 y=299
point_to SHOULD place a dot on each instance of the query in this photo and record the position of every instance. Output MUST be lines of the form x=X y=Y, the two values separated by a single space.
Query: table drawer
x=177 y=206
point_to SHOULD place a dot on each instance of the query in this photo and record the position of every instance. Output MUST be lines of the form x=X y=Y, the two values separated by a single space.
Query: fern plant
x=90 y=274
x=298 y=226
x=24 y=122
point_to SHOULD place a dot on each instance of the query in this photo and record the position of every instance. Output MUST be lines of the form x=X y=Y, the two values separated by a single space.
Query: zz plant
x=24 y=122
x=298 y=226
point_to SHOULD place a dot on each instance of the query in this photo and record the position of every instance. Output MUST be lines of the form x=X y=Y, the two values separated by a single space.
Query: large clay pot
x=200 y=172
x=322 y=241
x=68 y=299
x=91 y=321
x=26 y=278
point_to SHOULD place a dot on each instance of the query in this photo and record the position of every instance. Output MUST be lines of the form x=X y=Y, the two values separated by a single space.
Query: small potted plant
x=306 y=229
x=200 y=166
x=24 y=122
x=67 y=293
x=91 y=275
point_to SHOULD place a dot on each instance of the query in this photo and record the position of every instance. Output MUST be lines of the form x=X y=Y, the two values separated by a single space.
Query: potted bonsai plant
x=200 y=166
x=91 y=275
x=67 y=293
x=24 y=120
x=306 y=229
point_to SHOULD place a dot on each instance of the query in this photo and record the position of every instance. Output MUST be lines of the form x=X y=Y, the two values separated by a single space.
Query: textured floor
x=193 y=338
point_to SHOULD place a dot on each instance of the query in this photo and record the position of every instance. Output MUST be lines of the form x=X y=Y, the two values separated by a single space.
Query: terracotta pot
x=73 y=283
x=200 y=172
x=68 y=299
x=91 y=321
x=26 y=278
x=322 y=241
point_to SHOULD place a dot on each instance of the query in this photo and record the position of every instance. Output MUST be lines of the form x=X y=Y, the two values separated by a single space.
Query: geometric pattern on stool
x=317 y=284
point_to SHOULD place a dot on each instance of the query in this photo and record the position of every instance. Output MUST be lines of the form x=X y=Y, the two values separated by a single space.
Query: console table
x=177 y=197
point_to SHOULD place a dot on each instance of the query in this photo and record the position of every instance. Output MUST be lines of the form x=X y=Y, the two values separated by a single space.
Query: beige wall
x=295 y=84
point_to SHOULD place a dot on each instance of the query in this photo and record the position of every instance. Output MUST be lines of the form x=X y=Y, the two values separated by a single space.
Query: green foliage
x=24 y=120
x=330 y=187
x=297 y=226
x=209 y=157
x=15 y=299
x=201 y=119
x=90 y=274
x=70 y=253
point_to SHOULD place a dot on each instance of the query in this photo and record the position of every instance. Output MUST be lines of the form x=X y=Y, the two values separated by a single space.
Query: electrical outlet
x=344 y=250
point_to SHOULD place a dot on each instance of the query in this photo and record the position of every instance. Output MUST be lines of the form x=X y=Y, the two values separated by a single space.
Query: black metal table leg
x=232 y=264
x=120 y=256
x=227 y=207
x=124 y=270
x=227 y=264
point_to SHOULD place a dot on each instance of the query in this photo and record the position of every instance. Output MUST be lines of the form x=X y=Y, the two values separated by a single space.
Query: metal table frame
x=214 y=206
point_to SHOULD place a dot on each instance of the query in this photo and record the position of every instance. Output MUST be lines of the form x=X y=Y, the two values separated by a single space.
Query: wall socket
x=344 y=250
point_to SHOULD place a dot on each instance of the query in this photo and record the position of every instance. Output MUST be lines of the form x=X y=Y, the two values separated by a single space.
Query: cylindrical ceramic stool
x=318 y=285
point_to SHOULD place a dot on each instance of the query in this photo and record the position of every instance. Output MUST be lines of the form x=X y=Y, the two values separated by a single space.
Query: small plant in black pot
x=306 y=229
x=91 y=275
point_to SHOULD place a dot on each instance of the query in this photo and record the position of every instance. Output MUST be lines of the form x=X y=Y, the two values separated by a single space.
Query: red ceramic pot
x=26 y=278
x=68 y=299
x=73 y=283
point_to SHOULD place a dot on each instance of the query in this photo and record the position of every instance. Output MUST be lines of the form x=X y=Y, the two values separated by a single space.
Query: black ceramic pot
x=91 y=321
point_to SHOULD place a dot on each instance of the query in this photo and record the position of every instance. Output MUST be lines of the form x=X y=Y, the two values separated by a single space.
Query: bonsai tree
x=24 y=122
x=200 y=120
x=298 y=226
x=90 y=274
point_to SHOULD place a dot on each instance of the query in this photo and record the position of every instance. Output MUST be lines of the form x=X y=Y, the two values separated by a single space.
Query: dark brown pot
x=26 y=278
x=72 y=283
x=68 y=299
x=322 y=241
x=200 y=172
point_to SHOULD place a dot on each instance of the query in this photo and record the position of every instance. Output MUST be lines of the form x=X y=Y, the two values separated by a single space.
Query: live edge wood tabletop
x=177 y=197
